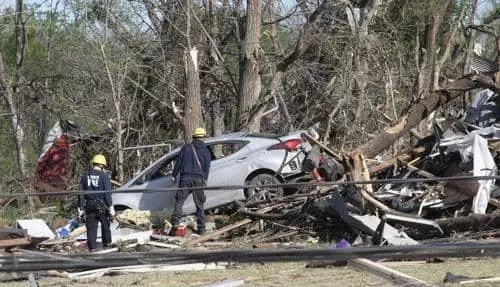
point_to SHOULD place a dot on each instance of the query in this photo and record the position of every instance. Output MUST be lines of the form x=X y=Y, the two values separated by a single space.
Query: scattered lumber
x=217 y=233
x=227 y=228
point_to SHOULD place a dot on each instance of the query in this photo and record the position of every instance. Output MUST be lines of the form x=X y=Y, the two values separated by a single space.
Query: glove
x=81 y=213
x=112 y=211
x=173 y=179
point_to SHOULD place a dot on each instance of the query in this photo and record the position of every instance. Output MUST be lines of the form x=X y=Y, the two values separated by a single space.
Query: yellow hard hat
x=99 y=159
x=199 y=133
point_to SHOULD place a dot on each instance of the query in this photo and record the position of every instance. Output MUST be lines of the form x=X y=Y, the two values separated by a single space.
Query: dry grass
x=288 y=274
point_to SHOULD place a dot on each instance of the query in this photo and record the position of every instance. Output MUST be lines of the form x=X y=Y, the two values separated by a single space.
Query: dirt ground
x=289 y=274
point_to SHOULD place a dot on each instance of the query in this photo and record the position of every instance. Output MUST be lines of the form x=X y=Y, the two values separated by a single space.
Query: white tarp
x=484 y=165
x=475 y=147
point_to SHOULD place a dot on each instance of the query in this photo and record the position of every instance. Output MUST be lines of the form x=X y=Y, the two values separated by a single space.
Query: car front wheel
x=262 y=193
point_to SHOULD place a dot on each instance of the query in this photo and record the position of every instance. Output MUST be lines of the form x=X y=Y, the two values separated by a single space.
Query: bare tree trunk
x=250 y=81
x=192 y=106
x=301 y=46
x=216 y=112
x=116 y=90
x=217 y=119
x=426 y=75
x=466 y=99
x=12 y=94
x=359 y=19
x=192 y=103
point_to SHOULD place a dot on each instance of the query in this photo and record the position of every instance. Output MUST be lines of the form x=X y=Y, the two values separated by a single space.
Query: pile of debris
x=401 y=200
x=399 y=210
x=422 y=209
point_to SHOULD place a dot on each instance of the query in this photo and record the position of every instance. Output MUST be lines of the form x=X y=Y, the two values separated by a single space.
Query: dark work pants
x=198 y=197
x=93 y=219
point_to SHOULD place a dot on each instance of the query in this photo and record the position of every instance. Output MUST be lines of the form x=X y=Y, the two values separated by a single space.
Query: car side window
x=224 y=149
x=161 y=169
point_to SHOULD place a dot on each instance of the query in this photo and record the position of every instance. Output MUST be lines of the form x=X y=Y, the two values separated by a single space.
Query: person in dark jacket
x=97 y=207
x=193 y=166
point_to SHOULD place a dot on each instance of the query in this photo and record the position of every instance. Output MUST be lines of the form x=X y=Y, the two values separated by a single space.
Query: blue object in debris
x=64 y=231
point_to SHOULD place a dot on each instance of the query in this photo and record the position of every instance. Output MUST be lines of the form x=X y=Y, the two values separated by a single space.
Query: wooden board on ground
x=10 y=243
x=393 y=276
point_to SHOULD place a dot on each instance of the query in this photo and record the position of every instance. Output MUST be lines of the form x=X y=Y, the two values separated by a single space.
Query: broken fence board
x=395 y=277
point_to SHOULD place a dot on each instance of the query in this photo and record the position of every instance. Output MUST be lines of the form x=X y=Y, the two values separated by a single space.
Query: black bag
x=330 y=169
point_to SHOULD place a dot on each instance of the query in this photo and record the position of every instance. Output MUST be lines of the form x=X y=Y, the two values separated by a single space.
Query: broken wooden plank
x=51 y=242
x=217 y=233
x=162 y=245
x=393 y=276
x=9 y=243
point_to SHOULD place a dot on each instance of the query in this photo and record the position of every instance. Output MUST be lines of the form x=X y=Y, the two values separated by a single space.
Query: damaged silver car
x=237 y=159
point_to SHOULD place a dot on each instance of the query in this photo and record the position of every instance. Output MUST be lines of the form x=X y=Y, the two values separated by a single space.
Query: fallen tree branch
x=419 y=111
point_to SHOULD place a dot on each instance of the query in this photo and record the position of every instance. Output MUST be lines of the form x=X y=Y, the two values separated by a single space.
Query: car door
x=158 y=176
x=228 y=169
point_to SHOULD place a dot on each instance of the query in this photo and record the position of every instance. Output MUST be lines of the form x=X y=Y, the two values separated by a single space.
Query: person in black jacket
x=193 y=165
x=97 y=207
